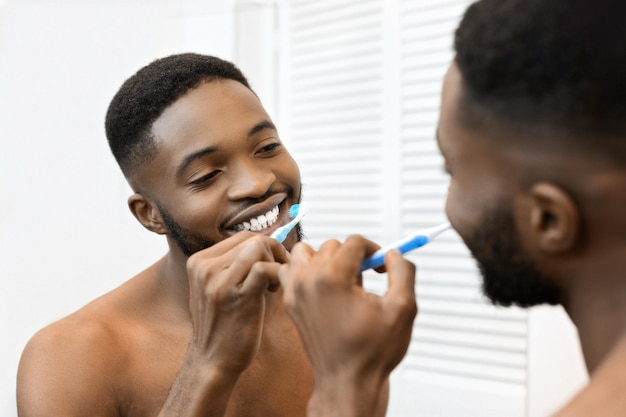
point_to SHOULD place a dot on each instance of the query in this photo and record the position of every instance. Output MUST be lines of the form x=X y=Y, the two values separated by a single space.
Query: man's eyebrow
x=192 y=157
x=265 y=124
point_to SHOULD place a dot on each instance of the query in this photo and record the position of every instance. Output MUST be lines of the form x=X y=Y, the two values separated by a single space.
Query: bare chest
x=277 y=383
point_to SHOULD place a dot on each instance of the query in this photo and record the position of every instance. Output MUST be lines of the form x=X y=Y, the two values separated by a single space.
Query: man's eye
x=205 y=179
x=269 y=149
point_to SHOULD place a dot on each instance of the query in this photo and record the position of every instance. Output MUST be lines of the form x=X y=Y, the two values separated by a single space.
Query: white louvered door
x=466 y=357
x=361 y=82
x=334 y=114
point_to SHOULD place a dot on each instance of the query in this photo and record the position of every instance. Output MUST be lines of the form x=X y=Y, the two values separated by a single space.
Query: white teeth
x=259 y=223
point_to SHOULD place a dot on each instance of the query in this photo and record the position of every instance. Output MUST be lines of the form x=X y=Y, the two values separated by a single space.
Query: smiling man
x=202 y=332
x=533 y=132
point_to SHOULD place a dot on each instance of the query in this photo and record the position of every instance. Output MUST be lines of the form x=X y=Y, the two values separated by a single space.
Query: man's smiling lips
x=262 y=217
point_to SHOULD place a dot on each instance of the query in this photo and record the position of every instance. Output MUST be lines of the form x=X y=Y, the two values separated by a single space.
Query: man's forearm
x=199 y=391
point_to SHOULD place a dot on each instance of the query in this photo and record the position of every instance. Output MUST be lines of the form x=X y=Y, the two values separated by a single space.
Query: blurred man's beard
x=509 y=276
x=190 y=242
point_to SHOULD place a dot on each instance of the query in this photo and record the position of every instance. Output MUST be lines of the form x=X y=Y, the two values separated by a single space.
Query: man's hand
x=354 y=339
x=227 y=287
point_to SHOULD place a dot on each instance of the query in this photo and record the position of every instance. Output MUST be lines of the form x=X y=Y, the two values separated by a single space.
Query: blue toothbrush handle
x=281 y=234
x=378 y=258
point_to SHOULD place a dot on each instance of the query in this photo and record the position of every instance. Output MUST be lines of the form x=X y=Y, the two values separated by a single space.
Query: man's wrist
x=200 y=389
x=348 y=396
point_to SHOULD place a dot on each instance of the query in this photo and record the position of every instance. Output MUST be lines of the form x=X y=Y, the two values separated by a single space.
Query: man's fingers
x=279 y=252
x=258 y=249
x=300 y=257
x=263 y=276
x=401 y=275
x=221 y=253
x=348 y=257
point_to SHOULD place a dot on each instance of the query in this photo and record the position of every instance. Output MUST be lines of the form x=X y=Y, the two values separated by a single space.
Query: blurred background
x=353 y=86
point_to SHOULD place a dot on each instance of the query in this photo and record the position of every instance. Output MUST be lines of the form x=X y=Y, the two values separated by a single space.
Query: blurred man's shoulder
x=605 y=394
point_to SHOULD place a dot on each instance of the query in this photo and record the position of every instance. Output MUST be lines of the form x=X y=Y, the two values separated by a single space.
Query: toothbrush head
x=293 y=210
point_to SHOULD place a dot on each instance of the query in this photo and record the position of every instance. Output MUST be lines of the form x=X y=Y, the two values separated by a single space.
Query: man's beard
x=190 y=242
x=509 y=275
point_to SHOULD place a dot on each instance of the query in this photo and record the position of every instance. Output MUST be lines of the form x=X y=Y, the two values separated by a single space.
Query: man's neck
x=172 y=274
x=596 y=303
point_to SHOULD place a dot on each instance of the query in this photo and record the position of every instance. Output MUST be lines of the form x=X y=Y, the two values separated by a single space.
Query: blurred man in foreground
x=533 y=133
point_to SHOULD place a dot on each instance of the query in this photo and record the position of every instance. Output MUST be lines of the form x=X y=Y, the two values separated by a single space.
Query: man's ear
x=554 y=218
x=147 y=213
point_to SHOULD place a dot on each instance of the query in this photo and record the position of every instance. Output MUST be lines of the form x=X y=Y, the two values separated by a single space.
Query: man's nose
x=250 y=179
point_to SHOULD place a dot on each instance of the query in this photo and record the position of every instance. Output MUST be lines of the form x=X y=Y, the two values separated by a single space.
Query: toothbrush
x=297 y=211
x=404 y=245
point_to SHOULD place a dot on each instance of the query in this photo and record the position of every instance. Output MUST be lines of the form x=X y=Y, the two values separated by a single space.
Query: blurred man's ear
x=555 y=218
x=147 y=213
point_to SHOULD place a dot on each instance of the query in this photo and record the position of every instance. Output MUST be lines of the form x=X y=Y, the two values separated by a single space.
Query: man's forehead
x=213 y=105
x=204 y=117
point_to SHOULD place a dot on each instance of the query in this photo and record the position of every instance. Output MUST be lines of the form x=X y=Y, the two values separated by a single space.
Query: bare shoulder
x=119 y=352
x=605 y=395
x=76 y=366
x=70 y=367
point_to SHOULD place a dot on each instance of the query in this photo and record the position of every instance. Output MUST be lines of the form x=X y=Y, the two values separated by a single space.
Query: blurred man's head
x=532 y=129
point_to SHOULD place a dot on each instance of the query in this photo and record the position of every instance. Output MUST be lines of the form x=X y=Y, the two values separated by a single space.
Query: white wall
x=66 y=235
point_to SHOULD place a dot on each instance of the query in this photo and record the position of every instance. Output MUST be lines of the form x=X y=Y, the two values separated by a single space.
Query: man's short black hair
x=145 y=95
x=561 y=63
